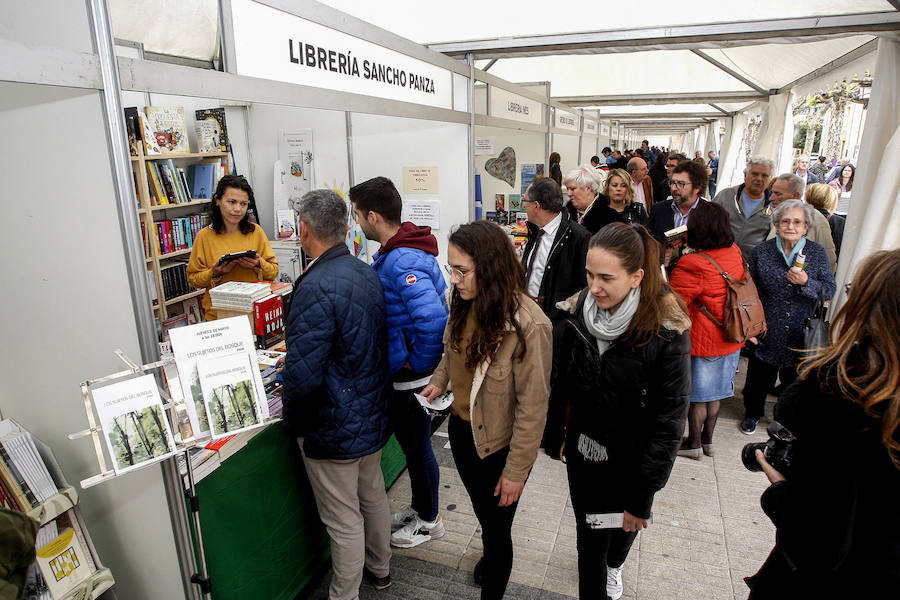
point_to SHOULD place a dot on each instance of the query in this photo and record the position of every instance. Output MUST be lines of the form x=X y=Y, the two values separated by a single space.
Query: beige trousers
x=353 y=505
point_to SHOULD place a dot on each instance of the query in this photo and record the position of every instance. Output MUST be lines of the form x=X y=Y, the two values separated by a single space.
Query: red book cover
x=268 y=314
x=217 y=444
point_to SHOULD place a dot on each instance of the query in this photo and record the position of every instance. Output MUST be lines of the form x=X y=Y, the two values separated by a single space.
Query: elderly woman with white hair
x=791 y=274
x=586 y=204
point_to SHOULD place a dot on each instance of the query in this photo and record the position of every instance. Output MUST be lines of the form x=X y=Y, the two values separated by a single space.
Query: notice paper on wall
x=422 y=212
x=420 y=180
x=293 y=172
x=484 y=145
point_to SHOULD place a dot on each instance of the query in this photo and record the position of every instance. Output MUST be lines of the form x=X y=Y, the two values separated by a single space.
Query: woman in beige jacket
x=497 y=358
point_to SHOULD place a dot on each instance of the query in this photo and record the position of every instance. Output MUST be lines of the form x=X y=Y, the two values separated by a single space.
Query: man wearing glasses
x=555 y=254
x=661 y=191
x=688 y=179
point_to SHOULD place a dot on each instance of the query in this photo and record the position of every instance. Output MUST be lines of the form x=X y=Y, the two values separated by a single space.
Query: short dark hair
x=695 y=171
x=378 y=195
x=606 y=149
x=595 y=159
x=546 y=193
x=645 y=142
x=676 y=156
x=709 y=227
x=237 y=182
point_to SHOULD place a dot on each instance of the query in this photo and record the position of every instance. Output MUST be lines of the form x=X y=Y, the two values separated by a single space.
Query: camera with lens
x=778 y=449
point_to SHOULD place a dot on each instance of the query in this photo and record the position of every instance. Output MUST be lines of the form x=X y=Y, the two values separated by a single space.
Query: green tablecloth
x=261 y=532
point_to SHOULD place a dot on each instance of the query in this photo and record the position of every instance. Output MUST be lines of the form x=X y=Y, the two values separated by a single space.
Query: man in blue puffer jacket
x=416 y=315
x=337 y=391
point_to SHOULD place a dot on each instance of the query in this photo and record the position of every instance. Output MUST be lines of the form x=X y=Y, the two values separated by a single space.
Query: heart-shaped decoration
x=503 y=167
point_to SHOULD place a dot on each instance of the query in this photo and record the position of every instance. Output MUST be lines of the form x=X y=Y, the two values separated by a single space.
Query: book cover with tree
x=134 y=424
x=229 y=397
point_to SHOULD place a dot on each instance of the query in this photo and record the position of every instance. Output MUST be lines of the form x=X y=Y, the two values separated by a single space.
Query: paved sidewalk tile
x=708 y=531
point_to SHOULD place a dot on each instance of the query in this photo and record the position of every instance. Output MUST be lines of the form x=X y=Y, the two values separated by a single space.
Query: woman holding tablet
x=231 y=248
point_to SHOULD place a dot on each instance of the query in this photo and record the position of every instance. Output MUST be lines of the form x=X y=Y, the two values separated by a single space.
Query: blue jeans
x=412 y=426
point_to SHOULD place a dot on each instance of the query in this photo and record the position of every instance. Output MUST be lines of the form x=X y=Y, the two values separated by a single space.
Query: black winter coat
x=598 y=217
x=336 y=382
x=836 y=518
x=633 y=401
x=564 y=273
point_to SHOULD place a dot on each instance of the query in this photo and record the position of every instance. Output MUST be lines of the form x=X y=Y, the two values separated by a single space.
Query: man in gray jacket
x=748 y=205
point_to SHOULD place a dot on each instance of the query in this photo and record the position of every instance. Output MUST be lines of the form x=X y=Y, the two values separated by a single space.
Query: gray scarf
x=605 y=328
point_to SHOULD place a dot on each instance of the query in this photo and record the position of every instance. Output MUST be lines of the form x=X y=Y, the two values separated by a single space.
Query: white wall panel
x=70 y=309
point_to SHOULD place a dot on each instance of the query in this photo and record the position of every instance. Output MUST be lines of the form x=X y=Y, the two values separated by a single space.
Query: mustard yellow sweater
x=209 y=246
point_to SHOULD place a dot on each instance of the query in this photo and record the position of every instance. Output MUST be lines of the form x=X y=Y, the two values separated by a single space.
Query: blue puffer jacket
x=336 y=384
x=414 y=291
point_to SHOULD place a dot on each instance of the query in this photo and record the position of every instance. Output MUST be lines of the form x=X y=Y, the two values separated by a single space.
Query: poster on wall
x=484 y=145
x=500 y=202
x=420 y=180
x=293 y=173
x=424 y=213
x=503 y=167
x=515 y=202
x=530 y=172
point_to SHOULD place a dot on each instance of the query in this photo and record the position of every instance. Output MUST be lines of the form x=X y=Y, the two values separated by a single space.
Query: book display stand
x=139 y=435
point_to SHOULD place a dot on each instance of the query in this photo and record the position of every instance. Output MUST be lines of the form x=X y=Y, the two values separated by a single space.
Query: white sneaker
x=402 y=518
x=614 y=582
x=417 y=532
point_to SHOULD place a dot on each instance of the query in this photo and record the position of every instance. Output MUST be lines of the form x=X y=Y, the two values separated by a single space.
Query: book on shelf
x=203 y=179
x=24 y=469
x=134 y=423
x=133 y=129
x=207 y=131
x=151 y=286
x=191 y=308
x=172 y=323
x=63 y=562
x=174 y=279
x=218 y=116
x=151 y=147
x=168 y=128
x=210 y=339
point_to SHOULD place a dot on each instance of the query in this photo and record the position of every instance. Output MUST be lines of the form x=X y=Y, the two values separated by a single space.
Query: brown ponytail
x=637 y=249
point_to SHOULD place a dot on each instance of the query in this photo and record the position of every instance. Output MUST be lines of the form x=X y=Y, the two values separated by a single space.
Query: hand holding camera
x=774 y=456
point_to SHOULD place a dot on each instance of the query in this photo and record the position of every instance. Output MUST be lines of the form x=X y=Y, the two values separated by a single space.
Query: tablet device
x=236 y=255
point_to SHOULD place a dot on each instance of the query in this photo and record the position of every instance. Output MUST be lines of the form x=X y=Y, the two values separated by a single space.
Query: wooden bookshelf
x=149 y=214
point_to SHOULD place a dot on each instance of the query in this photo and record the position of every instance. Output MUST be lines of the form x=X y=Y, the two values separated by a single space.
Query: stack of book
x=238 y=295
x=25 y=481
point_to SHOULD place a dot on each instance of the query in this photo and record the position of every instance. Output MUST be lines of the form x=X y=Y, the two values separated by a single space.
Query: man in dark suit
x=555 y=254
x=661 y=190
x=688 y=179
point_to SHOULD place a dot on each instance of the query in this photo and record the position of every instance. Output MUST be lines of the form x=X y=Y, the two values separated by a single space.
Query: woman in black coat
x=835 y=508
x=622 y=377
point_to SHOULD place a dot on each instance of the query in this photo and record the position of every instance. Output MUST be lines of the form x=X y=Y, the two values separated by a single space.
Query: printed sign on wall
x=566 y=120
x=273 y=44
x=590 y=127
x=507 y=105
x=420 y=180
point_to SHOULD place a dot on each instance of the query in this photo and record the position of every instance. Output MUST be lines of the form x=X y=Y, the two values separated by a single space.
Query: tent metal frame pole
x=226 y=37
x=720 y=109
x=661 y=98
x=470 y=98
x=865 y=49
x=120 y=164
x=723 y=67
x=709 y=35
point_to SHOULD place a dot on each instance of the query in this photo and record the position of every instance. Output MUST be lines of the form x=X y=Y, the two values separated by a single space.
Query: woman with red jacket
x=713 y=359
